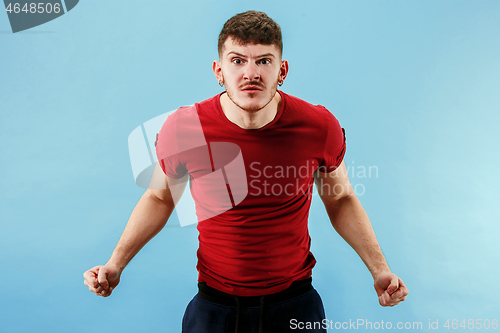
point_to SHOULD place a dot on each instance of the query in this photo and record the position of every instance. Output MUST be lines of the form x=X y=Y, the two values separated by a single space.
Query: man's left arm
x=351 y=222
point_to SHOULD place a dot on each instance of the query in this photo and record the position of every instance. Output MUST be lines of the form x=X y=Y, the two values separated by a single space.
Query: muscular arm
x=351 y=222
x=147 y=219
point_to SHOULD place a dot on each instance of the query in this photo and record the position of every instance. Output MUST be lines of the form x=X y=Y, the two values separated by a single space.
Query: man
x=266 y=148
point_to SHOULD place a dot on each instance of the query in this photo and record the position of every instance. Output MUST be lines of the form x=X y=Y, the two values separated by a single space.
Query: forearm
x=147 y=219
x=352 y=223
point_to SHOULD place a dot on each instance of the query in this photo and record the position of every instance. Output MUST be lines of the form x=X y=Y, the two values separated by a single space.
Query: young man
x=252 y=154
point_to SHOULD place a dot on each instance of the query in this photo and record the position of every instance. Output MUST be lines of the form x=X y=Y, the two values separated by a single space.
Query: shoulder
x=209 y=105
x=193 y=110
x=315 y=113
x=182 y=113
x=191 y=113
x=174 y=118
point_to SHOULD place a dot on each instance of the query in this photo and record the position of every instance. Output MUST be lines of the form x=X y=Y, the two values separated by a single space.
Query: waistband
x=216 y=296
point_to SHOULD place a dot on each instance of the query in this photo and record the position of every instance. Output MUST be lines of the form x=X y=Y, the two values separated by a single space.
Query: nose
x=251 y=72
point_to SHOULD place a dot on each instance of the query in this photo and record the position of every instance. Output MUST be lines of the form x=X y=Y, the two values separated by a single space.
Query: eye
x=237 y=61
x=264 y=61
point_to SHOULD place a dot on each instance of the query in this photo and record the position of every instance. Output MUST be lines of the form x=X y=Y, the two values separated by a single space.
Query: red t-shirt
x=252 y=189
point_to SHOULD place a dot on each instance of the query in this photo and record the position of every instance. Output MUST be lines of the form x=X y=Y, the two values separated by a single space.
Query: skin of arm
x=352 y=223
x=147 y=219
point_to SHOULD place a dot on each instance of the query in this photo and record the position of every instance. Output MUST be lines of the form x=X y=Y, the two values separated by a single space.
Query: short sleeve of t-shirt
x=167 y=149
x=335 y=145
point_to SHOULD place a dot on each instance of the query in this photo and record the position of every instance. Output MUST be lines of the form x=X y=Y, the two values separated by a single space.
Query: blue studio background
x=415 y=84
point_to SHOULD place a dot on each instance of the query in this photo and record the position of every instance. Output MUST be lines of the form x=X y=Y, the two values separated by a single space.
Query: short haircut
x=251 y=27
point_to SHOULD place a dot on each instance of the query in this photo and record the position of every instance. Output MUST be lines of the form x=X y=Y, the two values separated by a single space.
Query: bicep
x=333 y=186
x=166 y=189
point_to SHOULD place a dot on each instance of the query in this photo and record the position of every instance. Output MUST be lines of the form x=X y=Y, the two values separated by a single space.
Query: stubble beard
x=257 y=107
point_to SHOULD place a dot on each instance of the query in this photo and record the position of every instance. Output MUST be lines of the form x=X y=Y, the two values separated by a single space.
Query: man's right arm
x=147 y=219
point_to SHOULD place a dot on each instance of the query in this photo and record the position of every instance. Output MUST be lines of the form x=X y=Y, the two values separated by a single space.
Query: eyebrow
x=244 y=56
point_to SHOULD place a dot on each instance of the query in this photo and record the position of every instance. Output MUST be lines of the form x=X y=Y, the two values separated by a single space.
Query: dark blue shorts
x=304 y=311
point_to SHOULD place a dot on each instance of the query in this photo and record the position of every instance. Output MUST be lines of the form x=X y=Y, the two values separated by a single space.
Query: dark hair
x=251 y=27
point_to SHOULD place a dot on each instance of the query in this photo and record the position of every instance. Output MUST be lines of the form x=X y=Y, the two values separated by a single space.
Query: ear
x=283 y=70
x=216 y=67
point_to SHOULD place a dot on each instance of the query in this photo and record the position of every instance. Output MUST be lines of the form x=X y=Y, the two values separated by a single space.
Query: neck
x=250 y=120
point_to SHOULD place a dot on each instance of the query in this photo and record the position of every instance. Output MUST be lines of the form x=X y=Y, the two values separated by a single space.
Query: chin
x=250 y=107
x=248 y=103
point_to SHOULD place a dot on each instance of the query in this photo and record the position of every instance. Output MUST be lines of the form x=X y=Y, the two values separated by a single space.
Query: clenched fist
x=101 y=280
x=390 y=289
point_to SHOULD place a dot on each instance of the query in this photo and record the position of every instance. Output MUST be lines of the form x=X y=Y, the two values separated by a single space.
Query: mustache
x=252 y=83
